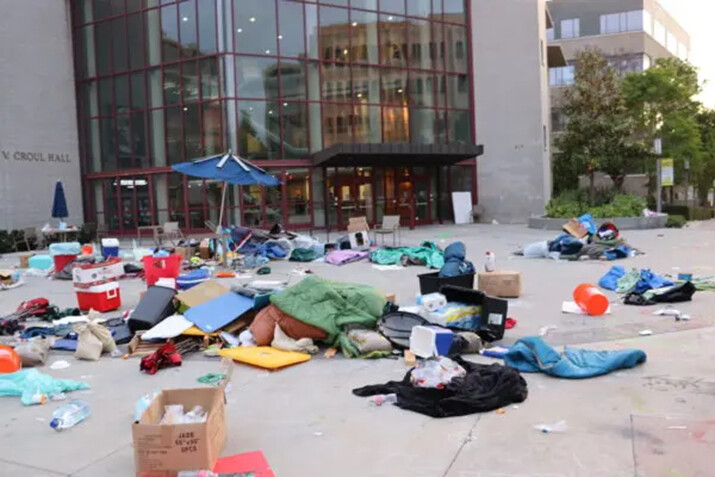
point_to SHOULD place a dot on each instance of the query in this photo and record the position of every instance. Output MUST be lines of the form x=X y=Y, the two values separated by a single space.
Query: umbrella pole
x=224 y=242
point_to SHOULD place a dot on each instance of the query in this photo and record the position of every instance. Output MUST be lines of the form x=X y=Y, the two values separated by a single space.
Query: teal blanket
x=428 y=252
x=533 y=355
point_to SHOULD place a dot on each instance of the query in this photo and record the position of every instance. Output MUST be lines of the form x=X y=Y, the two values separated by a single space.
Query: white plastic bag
x=436 y=373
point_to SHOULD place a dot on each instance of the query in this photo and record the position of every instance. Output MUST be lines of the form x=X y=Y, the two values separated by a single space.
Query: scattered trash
x=143 y=403
x=677 y=427
x=645 y=332
x=560 y=426
x=437 y=373
x=381 y=399
x=69 y=415
x=164 y=357
x=330 y=352
x=668 y=311
x=317 y=434
x=174 y=414
x=211 y=378
x=510 y=323
x=60 y=364
x=500 y=411
x=543 y=331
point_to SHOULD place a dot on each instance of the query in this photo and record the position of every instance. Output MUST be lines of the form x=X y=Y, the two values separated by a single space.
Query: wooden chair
x=390 y=225
x=29 y=236
x=171 y=231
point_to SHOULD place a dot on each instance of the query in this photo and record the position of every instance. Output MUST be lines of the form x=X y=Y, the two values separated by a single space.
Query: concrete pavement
x=650 y=421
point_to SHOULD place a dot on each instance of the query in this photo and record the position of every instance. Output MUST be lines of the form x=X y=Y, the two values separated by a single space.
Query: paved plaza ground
x=653 y=420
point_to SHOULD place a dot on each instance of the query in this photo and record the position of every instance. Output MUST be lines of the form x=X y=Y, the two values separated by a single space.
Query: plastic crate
x=494 y=310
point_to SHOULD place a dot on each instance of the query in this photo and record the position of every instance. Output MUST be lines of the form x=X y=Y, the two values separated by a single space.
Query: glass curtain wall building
x=162 y=81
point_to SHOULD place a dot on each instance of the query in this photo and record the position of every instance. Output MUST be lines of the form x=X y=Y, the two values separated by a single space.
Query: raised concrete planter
x=623 y=223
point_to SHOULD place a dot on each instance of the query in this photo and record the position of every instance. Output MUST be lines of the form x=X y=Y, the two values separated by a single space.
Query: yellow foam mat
x=265 y=356
x=195 y=331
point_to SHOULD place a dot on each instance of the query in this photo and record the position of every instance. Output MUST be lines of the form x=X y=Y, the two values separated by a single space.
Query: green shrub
x=676 y=222
x=575 y=203
x=690 y=213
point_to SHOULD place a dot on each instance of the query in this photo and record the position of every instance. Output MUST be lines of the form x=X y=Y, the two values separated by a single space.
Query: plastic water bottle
x=490 y=262
x=69 y=415
x=381 y=399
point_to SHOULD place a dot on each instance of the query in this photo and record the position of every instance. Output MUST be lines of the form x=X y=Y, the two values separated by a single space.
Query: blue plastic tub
x=191 y=279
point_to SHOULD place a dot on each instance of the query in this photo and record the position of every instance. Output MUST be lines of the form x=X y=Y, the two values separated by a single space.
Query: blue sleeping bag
x=455 y=263
x=533 y=355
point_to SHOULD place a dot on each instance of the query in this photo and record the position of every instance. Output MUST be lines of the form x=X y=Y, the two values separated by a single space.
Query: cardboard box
x=358 y=224
x=185 y=252
x=25 y=259
x=575 y=228
x=502 y=284
x=177 y=447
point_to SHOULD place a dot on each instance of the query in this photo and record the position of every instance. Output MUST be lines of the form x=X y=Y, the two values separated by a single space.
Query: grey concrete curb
x=623 y=223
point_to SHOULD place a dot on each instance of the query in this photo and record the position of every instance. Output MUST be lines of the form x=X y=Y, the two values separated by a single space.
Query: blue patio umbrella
x=228 y=168
x=59 y=203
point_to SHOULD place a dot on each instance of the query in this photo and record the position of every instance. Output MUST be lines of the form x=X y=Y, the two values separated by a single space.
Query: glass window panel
x=171 y=85
x=138 y=140
x=174 y=143
x=395 y=124
x=102 y=9
x=419 y=8
x=334 y=42
x=176 y=198
x=364 y=40
x=437 y=8
x=635 y=20
x=422 y=125
x=103 y=51
x=292 y=79
x=135 y=35
x=456 y=59
x=209 y=78
x=337 y=124
x=154 y=35
x=207 y=26
x=440 y=89
x=138 y=91
x=93 y=147
x=368 y=124
x=366 y=84
x=211 y=117
x=419 y=35
x=254 y=22
x=393 y=6
x=366 y=4
x=192 y=132
x=88 y=67
x=343 y=3
x=108 y=144
x=298 y=195
x=421 y=89
x=256 y=77
x=316 y=130
x=188 y=29
x=436 y=46
x=336 y=85
x=441 y=127
x=394 y=40
x=312 y=31
x=134 y=5
x=124 y=142
x=459 y=126
x=106 y=101
x=274 y=202
x=119 y=44
x=190 y=81
x=121 y=93
x=295 y=130
x=259 y=129
x=111 y=215
x=88 y=98
x=647 y=22
x=169 y=33
x=454 y=11
x=458 y=91
x=84 y=14
x=291 y=33
x=394 y=86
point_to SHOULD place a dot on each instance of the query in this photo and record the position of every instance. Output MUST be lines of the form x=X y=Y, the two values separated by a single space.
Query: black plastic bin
x=431 y=282
x=156 y=304
x=494 y=310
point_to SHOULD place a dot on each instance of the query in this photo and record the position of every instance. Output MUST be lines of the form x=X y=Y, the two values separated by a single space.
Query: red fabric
x=264 y=326
x=164 y=357
x=510 y=323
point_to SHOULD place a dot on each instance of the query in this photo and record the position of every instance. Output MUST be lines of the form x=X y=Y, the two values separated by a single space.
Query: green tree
x=704 y=170
x=599 y=135
x=662 y=102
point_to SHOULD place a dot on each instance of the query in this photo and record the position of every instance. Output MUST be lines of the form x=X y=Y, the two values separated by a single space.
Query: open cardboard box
x=165 y=450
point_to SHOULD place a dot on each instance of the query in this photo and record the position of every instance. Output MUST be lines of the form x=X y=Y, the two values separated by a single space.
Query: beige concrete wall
x=512 y=108
x=38 y=124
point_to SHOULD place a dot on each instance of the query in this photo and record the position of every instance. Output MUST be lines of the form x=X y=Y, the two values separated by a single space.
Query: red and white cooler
x=87 y=276
x=101 y=298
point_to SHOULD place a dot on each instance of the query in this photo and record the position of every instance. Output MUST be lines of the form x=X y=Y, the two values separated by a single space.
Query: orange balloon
x=9 y=360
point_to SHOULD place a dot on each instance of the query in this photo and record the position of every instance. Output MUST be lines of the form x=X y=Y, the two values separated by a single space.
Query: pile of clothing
x=258 y=247
x=582 y=241
x=643 y=287
x=428 y=254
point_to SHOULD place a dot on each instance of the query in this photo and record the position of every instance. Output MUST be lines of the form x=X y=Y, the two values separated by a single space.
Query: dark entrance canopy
x=395 y=154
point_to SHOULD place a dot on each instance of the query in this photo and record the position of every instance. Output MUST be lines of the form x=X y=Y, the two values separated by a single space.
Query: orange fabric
x=266 y=320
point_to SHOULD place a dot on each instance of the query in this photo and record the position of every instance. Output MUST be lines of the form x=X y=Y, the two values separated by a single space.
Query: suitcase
x=156 y=304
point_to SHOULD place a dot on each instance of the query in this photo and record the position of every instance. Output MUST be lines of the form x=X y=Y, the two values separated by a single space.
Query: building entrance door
x=355 y=198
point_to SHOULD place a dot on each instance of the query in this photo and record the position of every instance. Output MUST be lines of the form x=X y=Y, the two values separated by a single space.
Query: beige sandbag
x=33 y=353
x=91 y=333
x=286 y=343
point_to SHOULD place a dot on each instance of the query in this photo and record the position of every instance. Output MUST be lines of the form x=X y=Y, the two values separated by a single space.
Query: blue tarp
x=610 y=280
x=587 y=221
x=533 y=355
x=651 y=281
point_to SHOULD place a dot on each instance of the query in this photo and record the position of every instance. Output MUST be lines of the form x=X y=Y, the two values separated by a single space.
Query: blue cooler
x=110 y=247
x=191 y=279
